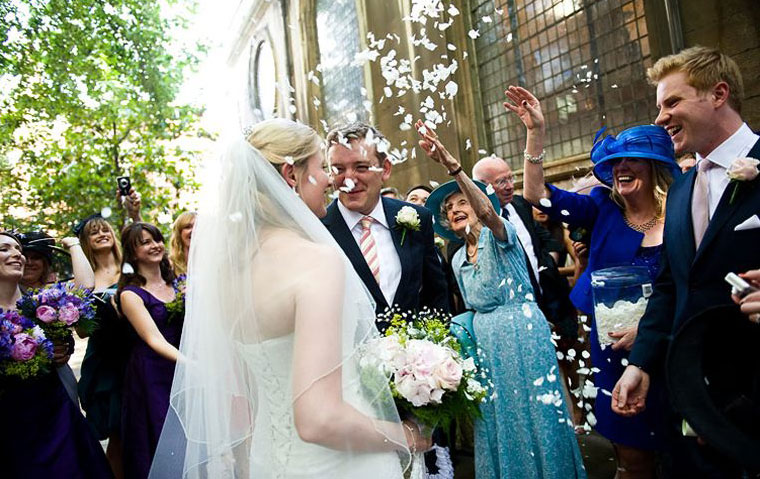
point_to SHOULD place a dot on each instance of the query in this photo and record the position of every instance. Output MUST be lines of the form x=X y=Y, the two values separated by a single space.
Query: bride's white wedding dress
x=261 y=321
x=277 y=450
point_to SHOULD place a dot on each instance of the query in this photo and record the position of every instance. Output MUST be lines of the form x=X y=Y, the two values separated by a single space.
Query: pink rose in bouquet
x=24 y=347
x=69 y=314
x=448 y=374
x=46 y=314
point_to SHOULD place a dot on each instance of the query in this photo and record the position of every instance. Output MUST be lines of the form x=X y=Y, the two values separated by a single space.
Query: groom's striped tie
x=369 y=248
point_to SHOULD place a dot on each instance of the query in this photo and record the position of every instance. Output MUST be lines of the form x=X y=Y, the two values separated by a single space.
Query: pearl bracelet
x=536 y=160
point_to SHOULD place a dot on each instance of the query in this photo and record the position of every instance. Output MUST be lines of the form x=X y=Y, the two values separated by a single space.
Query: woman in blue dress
x=143 y=295
x=626 y=218
x=526 y=430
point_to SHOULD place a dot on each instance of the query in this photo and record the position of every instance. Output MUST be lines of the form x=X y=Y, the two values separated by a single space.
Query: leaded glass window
x=342 y=79
x=263 y=80
x=584 y=59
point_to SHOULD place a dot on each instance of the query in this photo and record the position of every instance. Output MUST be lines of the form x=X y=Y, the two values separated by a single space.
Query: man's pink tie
x=700 y=207
x=369 y=248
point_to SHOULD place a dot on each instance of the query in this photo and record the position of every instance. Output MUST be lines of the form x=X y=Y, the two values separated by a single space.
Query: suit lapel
x=525 y=212
x=391 y=209
x=727 y=209
x=339 y=229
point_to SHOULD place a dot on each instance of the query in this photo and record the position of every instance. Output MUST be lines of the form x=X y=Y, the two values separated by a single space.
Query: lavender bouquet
x=25 y=352
x=57 y=308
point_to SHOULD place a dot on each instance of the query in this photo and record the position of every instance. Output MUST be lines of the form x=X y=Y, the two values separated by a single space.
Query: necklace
x=642 y=227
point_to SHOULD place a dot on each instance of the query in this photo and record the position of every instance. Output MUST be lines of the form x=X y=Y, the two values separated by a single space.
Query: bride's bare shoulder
x=291 y=247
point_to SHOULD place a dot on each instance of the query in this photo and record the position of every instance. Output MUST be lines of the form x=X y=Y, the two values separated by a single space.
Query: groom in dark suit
x=711 y=228
x=392 y=251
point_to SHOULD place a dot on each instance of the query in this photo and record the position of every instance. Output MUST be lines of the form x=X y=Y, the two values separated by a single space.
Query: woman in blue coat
x=626 y=218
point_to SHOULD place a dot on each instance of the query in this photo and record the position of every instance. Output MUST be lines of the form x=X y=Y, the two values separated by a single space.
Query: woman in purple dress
x=43 y=432
x=145 y=287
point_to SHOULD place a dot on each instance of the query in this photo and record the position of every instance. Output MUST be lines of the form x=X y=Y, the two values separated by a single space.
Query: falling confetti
x=545 y=202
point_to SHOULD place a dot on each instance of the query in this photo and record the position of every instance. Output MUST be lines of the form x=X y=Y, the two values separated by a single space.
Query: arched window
x=263 y=80
x=342 y=79
x=585 y=61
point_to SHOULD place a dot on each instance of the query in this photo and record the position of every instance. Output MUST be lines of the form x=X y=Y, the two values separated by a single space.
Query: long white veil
x=221 y=399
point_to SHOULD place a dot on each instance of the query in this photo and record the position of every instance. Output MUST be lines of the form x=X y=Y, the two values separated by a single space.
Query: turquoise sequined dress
x=526 y=431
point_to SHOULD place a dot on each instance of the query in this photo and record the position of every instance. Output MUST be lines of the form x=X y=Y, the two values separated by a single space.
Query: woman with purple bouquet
x=626 y=219
x=44 y=434
x=145 y=288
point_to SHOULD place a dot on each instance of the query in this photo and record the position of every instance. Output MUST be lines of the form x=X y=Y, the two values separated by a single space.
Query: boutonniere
x=439 y=242
x=408 y=219
x=741 y=170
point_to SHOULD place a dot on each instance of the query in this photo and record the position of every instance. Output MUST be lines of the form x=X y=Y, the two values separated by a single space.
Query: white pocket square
x=749 y=224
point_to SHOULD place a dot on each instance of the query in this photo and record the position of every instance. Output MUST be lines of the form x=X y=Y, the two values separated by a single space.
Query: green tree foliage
x=88 y=93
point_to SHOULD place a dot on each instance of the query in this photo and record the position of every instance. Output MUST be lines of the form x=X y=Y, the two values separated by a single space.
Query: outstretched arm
x=528 y=109
x=479 y=202
x=321 y=414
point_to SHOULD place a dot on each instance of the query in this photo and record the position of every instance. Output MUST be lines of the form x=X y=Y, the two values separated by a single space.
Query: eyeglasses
x=502 y=182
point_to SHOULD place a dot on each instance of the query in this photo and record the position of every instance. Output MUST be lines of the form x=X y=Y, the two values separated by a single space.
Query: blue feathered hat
x=645 y=141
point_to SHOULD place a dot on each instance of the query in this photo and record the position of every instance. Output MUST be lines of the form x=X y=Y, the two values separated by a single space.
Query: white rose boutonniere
x=741 y=170
x=408 y=219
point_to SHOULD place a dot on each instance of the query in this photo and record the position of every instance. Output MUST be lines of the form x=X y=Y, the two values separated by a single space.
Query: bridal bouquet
x=428 y=375
x=59 y=307
x=24 y=350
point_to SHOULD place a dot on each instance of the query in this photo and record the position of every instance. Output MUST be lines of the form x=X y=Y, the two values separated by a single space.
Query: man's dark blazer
x=422 y=280
x=554 y=299
x=692 y=280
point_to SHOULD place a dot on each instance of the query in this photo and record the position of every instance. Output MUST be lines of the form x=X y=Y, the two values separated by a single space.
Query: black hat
x=38 y=242
x=713 y=376
x=80 y=226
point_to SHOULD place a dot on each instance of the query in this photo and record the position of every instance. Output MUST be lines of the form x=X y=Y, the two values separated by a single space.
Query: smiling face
x=148 y=249
x=100 y=238
x=687 y=114
x=12 y=261
x=460 y=214
x=312 y=184
x=358 y=174
x=632 y=176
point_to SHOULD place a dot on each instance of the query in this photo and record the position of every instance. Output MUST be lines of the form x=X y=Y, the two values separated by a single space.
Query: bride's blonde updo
x=285 y=141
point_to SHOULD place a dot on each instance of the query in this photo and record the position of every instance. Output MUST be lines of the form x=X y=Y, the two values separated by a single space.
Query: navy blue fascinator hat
x=646 y=141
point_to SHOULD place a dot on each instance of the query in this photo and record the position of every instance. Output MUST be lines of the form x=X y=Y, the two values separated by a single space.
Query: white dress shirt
x=524 y=236
x=735 y=146
x=390 y=264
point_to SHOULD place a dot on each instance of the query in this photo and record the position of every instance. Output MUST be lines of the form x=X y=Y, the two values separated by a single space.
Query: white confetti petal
x=565 y=213
x=486 y=19
x=106 y=212
x=312 y=180
x=434 y=184
x=545 y=202
x=289 y=160
x=489 y=189
x=473 y=34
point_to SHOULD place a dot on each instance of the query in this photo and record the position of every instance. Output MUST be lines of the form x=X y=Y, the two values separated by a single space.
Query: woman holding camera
x=625 y=219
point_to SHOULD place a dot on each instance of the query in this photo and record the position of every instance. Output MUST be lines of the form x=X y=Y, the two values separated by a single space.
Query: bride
x=269 y=385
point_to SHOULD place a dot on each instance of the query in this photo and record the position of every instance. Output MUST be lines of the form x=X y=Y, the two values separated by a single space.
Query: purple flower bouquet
x=57 y=308
x=25 y=352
